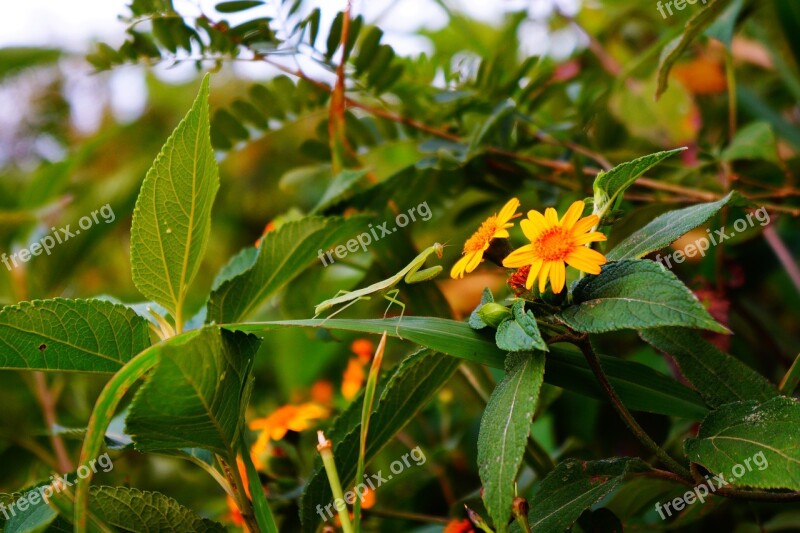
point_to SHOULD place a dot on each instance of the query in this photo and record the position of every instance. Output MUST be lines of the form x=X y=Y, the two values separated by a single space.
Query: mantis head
x=439 y=249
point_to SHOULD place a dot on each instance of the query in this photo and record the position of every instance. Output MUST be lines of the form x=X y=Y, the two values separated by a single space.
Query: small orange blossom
x=494 y=227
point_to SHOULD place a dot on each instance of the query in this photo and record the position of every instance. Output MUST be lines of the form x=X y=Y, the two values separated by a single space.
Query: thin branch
x=627 y=417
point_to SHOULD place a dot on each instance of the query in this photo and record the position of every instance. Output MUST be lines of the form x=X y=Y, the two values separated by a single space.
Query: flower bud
x=494 y=314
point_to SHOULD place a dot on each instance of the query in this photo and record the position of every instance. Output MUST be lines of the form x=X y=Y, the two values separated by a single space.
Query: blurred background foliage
x=531 y=103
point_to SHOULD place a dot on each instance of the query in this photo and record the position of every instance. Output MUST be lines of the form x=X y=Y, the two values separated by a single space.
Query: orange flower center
x=483 y=236
x=554 y=244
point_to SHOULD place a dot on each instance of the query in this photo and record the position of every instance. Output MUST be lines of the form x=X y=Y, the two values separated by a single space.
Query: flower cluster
x=554 y=244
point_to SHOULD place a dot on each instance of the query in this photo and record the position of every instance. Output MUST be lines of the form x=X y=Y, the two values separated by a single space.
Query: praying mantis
x=411 y=273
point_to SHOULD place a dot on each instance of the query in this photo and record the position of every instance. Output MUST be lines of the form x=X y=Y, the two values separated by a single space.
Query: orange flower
x=518 y=279
x=322 y=392
x=235 y=515
x=364 y=349
x=458 y=526
x=555 y=242
x=353 y=379
x=494 y=227
x=702 y=76
x=289 y=418
x=368 y=499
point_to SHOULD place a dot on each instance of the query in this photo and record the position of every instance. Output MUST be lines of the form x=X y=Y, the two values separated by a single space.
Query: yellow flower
x=555 y=242
x=494 y=227
x=288 y=418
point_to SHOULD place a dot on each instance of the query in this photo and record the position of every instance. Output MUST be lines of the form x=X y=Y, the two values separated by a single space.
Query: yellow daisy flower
x=289 y=418
x=556 y=242
x=494 y=227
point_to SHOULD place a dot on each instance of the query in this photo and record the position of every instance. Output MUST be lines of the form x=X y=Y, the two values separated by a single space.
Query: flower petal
x=558 y=276
x=535 y=267
x=520 y=257
x=538 y=220
x=531 y=229
x=551 y=217
x=501 y=234
x=508 y=211
x=573 y=214
x=457 y=272
x=586 y=259
x=543 y=275
x=594 y=236
x=475 y=260
x=584 y=224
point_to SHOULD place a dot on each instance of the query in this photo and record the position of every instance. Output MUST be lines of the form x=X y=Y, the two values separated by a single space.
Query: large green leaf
x=172 y=218
x=696 y=26
x=411 y=386
x=520 y=333
x=751 y=444
x=505 y=426
x=573 y=487
x=635 y=294
x=70 y=335
x=665 y=229
x=641 y=387
x=609 y=185
x=718 y=377
x=130 y=509
x=282 y=256
x=195 y=397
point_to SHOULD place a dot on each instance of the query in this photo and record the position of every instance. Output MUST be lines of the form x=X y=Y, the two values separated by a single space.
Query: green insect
x=410 y=274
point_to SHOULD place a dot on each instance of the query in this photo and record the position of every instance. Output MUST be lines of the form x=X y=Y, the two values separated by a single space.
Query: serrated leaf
x=696 y=25
x=753 y=142
x=667 y=228
x=136 y=510
x=640 y=387
x=195 y=397
x=573 y=487
x=718 y=377
x=611 y=184
x=520 y=334
x=235 y=6
x=236 y=265
x=70 y=336
x=409 y=389
x=765 y=434
x=172 y=217
x=635 y=294
x=505 y=427
x=283 y=254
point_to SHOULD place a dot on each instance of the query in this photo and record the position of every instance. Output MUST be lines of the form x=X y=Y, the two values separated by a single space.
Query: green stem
x=326 y=451
x=101 y=417
x=627 y=417
x=231 y=469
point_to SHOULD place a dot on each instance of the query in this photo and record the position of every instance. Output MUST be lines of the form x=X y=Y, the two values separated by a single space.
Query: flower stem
x=594 y=363
x=325 y=449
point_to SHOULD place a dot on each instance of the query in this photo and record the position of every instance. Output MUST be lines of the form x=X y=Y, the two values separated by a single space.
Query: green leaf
x=196 y=394
x=16 y=59
x=409 y=389
x=263 y=513
x=34 y=518
x=611 y=184
x=334 y=36
x=172 y=218
x=340 y=189
x=70 y=336
x=641 y=387
x=724 y=27
x=132 y=509
x=520 y=334
x=282 y=256
x=239 y=263
x=573 y=487
x=367 y=49
x=505 y=426
x=667 y=228
x=751 y=444
x=635 y=294
x=754 y=142
x=718 y=377
x=237 y=5
x=696 y=26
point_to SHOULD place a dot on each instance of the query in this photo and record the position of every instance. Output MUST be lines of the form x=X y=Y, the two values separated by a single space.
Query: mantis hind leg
x=342 y=308
x=391 y=296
